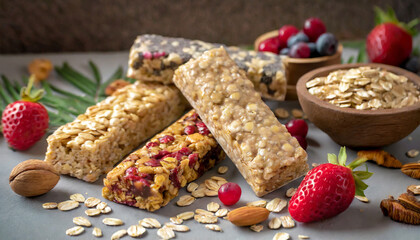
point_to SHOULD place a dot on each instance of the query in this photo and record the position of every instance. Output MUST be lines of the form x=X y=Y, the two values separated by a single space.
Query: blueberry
x=285 y=51
x=312 y=47
x=300 y=37
x=327 y=44
x=412 y=64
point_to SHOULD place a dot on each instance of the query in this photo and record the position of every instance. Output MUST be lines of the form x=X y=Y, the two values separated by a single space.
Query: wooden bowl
x=296 y=67
x=359 y=128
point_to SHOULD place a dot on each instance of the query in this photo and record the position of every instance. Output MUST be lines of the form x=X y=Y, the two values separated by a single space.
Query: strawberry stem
x=27 y=94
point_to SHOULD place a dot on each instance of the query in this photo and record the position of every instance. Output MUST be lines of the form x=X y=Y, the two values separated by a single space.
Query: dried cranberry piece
x=147 y=55
x=159 y=54
x=202 y=128
x=152 y=144
x=185 y=151
x=190 y=129
x=173 y=176
x=193 y=117
x=153 y=163
x=166 y=139
x=161 y=154
x=193 y=158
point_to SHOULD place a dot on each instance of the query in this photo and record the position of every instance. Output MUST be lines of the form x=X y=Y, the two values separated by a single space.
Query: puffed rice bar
x=151 y=176
x=155 y=58
x=265 y=153
x=96 y=140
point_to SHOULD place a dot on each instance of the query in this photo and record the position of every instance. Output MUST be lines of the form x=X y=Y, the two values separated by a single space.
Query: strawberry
x=390 y=42
x=328 y=189
x=25 y=121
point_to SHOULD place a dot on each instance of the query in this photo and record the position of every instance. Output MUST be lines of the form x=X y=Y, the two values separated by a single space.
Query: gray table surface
x=24 y=218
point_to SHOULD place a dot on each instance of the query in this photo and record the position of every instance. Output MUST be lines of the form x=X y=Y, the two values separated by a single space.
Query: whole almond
x=248 y=215
x=33 y=177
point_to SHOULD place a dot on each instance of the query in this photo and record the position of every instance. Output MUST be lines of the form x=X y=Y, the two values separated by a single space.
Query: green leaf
x=351 y=59
x=363 y=175
x=87 y=99
x=5 y=96
x=75 y=82
x=96 y=73
x=77 y=75
x=332 y=158
x=342 y=156
x=10 y=89
x=356 y=163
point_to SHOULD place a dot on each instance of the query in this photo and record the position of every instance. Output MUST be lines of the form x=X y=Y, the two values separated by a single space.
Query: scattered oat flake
x=212 y=185
x=97 y=232
x=259 y=203
x=185 y=215
x=92 y=202
x=176 y=220
x=177 y=228
x=77 y=197
x=221 y=212
x=257 y=228
x=287 y=222
x=281 y=236
x=203 y=212
x=214 y=227
x=290 y=192
x=199 y=193
x=210 y=193
x=150 y=223
x=274 y=223
x=112 y=221
x=217 y=178
x=362 y=199
x=297 y=113
x=410 y=138
x=166 y=233
x=74 y=231
x=276 y=205
x=185 y=200
x=81 y=221
x=314 y=165
x=303 y=237
x=222 y=169
x=93 y=212
x=413 y=153
x=213 y=207
x=281 y=113
x=50 y=205
x=107 y=209
x=101 y=206
x=205 y=218
x=118 y=234
x=135 y=230
x=192 y=187
x=68 y=205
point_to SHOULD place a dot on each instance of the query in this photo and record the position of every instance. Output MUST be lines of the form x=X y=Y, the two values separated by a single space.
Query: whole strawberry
x=328 y=189
x=25 y=121
x=390 y=42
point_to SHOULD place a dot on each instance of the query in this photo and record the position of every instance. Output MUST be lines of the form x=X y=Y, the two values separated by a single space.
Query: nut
x=411 y=170
x=248 y=215
x=41 y=68
x=33 y=177
x=409 y=201
x=414 y=189
x=397 y=212
x=381 y=158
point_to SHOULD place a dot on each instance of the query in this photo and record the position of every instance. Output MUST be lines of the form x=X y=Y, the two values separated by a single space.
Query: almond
x=248 y=215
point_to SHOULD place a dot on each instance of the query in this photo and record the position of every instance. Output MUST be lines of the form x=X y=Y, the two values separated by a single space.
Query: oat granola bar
x=96 y=140
x=260 y=146
x=151 y=176
x=155 y=58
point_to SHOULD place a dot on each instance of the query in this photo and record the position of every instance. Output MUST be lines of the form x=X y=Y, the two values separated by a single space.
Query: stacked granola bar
x=260 y=146
x=151 y=176
x=96 y=140
x=155 y=58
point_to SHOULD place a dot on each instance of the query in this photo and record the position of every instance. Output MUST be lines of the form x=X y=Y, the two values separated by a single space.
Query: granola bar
x=155 y=58
x=96 y=140
x=151 y=176
x=265 y=153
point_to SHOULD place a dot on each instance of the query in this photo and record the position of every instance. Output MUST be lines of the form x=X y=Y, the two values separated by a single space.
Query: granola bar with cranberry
x=262 y=149
x=155 y=58
x=151 y=176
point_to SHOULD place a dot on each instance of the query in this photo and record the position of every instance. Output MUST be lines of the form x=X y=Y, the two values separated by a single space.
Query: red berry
x=300 y=50
x=297 y=127
x=302 y=141
x=166 y=139
x=185 y=151
x=190 y=129
x=153 y=163
x=229 y=193
x=285 y=33
x=270 y=45
x=193 y=158
x=24 y=123
x=152 y=144
x=202 y=128
x=313 y=28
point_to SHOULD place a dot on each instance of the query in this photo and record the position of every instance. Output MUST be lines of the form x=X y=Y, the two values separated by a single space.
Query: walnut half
x=411 y=169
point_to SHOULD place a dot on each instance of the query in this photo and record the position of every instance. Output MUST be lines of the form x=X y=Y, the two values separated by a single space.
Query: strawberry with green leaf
x=391 y=41
x=328 y=189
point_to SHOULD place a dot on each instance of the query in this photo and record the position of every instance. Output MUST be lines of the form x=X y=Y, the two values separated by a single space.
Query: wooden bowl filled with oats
x=363 y=104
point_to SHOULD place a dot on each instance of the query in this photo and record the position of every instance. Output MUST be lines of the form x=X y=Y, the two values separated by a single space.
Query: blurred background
x=109 y=25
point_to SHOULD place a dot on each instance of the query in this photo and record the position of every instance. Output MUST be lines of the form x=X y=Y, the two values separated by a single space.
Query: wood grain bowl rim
x=274 y=33
x=303 y=92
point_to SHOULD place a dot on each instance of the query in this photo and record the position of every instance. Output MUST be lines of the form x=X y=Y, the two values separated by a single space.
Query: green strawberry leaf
x=390 y=17
x=332 y=158
x=342 y=156
x=363 y=175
